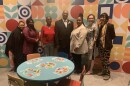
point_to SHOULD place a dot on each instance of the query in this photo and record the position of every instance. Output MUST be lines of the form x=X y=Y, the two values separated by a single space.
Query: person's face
x=31 y=22
x=65 y=15
x=91 y=19
x=48 y=20
x=21 y=25
x=79 y=21
x=102 y=19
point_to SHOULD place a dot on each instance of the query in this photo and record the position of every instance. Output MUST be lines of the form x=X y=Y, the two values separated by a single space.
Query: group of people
x=22 y=41
x=74 y=41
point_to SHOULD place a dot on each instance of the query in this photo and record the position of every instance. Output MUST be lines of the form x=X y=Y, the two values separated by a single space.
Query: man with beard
x=14 y=46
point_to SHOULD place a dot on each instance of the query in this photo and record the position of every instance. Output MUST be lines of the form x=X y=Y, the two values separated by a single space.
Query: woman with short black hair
x=104 y=43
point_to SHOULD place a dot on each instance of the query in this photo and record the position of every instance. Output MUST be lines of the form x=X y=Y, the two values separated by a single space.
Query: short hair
x=48 y=17
x=65 y=11
x=91 y=15
x=105 y=15
x=81 y=15
x=28 y=20
x=21 y=21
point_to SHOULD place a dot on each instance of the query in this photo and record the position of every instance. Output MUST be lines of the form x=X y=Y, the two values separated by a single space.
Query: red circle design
x=76 y=10
x=126 y=67
x=11 y=24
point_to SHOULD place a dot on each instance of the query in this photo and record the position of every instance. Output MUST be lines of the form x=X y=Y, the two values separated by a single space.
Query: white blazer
x=78 y=40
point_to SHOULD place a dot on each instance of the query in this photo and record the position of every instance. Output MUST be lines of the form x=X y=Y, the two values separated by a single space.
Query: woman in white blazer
x=78 y=43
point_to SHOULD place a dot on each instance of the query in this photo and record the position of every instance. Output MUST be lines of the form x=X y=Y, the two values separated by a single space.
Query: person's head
x=65 y=14
x=48 y=20
x=30 y=22
x=91 y=19
x=21 y=25
x=104 y=18
x=80 y=19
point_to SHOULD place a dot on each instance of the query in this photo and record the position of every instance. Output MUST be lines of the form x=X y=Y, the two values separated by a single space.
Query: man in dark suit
x=63 y=29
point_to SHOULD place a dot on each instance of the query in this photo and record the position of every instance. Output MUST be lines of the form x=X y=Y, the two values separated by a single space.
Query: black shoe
x=106 y=77
x=77 y=71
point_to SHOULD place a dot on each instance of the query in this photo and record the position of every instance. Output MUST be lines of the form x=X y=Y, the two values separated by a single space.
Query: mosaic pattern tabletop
x=45 y=69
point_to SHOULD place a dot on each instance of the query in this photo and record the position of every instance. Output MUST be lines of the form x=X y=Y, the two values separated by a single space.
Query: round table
x=45 y=69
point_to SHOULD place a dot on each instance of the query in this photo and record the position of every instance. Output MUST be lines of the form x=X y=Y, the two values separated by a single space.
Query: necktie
x=65 y=22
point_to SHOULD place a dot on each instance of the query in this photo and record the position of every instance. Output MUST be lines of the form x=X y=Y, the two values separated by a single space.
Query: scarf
x=103 y=34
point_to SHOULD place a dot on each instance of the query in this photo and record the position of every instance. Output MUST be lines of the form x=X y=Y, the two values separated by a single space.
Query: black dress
x=15 y=45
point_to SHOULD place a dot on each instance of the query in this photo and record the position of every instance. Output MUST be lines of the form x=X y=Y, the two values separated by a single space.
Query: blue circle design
x=40 y=50
x=2 y=38
x=114 y=65
x=91 y=1
x=24 y=14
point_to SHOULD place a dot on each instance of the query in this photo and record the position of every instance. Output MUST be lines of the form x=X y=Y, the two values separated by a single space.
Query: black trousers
x=77 y=62
x=18 y=59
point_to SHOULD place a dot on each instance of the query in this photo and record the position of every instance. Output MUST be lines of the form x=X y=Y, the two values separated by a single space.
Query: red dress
x=30 y=37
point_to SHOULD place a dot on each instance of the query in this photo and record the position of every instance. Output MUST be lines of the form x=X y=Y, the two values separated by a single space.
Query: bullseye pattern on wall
x=11 y=11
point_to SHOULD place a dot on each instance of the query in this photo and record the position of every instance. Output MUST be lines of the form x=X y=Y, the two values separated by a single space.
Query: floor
x=117 y=79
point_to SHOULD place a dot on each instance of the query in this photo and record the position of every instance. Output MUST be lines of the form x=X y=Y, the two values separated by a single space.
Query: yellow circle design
x=3 y=62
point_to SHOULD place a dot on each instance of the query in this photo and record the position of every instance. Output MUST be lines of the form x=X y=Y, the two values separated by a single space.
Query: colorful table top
x=45 y=69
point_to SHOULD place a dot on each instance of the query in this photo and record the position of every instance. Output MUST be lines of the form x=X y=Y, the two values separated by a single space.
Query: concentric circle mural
x=3 y=38
x=24 y=12
x=40 y=50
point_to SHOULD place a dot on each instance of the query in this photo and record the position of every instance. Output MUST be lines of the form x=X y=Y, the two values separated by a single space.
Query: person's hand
x=76 y=49
x=91 y=47
x=37 y=40
x=11 y=54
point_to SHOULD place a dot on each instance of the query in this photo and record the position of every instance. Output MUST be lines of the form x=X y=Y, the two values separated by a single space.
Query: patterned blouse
x=92 y=34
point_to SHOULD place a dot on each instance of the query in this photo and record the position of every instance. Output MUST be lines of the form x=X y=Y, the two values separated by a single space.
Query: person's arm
x=27 y=37
x=95 y=36
x=72 y=26
x=112 y=33
x=9 y=44
x=43 y=38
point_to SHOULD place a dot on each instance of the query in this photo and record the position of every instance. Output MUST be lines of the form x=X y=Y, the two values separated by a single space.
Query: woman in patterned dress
x=91 y=39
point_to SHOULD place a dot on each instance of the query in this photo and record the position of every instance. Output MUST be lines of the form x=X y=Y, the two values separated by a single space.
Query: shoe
x=89 y=73
x=12 y=69
x=106 y=77
x=101 y=74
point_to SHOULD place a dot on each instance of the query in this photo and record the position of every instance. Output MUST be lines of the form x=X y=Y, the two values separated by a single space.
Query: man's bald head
x=65 y=14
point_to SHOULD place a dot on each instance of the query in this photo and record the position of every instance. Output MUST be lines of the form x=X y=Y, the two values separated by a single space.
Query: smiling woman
x=91 y=39
x=78 y=44
x=104 y=43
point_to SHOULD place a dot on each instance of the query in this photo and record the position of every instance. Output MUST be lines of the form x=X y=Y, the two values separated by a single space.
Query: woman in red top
x=30 y=37
x=47 y=37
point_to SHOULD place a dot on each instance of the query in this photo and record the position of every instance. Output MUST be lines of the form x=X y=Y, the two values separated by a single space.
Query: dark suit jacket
x=62 y=35
x=110 y=34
